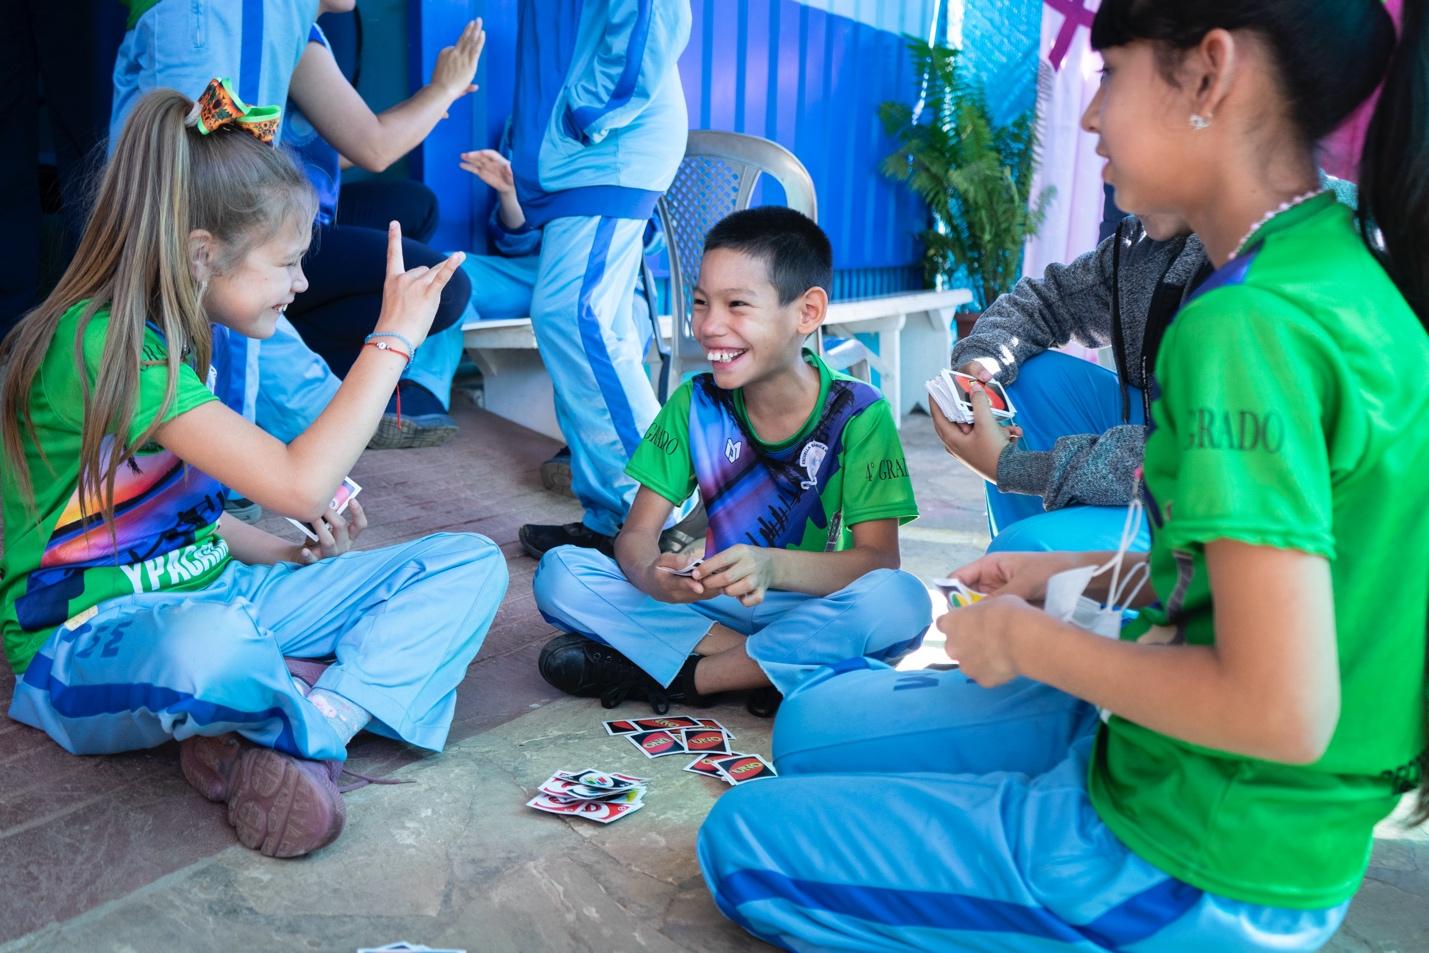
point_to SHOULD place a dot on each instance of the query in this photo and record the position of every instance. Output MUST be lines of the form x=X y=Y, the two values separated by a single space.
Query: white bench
x=914 y=340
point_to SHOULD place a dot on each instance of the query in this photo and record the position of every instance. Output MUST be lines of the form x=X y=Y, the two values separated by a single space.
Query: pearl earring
x=1199 y=122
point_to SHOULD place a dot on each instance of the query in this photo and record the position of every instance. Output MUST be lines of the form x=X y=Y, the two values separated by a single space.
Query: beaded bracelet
x=411 y=348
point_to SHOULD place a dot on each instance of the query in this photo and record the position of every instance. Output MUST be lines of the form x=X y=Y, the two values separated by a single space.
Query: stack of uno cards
x=599 y=796
x=705 y=737
x=402 y=946
x=952 y=391
x=344 y=495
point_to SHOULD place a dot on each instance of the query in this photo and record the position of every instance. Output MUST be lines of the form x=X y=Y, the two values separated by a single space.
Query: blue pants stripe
x=593 y=341
x=85 y=701
x=250 y=70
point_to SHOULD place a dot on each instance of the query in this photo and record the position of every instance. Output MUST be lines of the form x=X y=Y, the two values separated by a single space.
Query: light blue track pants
x=883 y=615
x=501 y=288
x=1057 y=395
x=594 y=352
x=403 y=621
x=917 y=811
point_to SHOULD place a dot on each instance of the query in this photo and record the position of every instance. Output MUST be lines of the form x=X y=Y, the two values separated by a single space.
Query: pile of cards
x=951 y=391
x=705 y=737
x=599 y=796
x=402 y=946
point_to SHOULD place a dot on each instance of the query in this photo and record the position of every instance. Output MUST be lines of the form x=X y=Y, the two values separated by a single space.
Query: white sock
x=346 y=717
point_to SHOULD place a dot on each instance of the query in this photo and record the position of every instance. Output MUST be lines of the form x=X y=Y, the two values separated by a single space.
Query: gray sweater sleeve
x=1069 y=302
x=1080 y=469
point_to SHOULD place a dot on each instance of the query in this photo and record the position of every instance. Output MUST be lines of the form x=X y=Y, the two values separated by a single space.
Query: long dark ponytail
x=1394 y=172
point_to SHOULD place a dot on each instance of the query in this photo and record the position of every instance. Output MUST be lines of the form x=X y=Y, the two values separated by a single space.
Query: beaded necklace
x=1285 y=206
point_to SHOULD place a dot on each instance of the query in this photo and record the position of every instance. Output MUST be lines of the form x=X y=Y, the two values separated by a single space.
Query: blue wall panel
x=790 y=71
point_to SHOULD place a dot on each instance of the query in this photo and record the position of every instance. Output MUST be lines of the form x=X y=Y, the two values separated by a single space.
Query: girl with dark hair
x=1211 y=779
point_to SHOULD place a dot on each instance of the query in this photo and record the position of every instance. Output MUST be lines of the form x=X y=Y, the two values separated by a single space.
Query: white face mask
x=1065 y=602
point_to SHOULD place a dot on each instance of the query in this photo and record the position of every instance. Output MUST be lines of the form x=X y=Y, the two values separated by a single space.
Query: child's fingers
x=982 y=407
x=441 y=274
x=325 y=538
x=356 y=519
x=394 y=248
x=306 y=556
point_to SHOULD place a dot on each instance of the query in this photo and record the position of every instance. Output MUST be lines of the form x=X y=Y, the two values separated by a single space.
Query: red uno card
x=712 y=740
x=602 y=812
x=711 y=723
x=657 y=744
x=656 y=724
x=620 y=727
x=705 y=766
x=739 y=768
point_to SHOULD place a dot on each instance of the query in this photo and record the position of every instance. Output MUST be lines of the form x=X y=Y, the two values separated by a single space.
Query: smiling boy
x=805 y=482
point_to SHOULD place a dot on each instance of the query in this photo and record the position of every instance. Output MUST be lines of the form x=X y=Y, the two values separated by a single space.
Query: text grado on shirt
x=886 y=469
x=662 y=440
x=1241 y=430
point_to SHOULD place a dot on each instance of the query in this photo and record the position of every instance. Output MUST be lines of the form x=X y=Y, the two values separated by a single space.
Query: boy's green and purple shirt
x=844 y=466
x=1290 y=407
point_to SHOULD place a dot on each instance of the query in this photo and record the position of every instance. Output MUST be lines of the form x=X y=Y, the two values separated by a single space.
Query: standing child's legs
x=1056 y=395
x=595 y=354
x=931 y=842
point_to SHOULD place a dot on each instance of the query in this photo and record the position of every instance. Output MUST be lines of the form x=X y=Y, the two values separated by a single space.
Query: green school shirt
x=1291 y=410
x=870 y=483
x=55 y=565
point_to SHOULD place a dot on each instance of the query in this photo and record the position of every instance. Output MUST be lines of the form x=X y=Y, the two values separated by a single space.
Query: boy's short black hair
x=795 y=251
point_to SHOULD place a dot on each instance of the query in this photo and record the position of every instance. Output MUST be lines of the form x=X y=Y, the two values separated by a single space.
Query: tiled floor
x=118 y=854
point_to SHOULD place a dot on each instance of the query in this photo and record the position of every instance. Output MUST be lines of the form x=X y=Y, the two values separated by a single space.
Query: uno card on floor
x=740 y=768
x=709 y=740
x=346 y=493
x=705 y=765
x=602 y=812
x=658 y=744
x=631 y=726
x=711 y=723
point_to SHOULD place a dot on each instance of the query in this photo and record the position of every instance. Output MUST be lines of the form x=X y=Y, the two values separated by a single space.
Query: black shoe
x=763 y=702
x=536 y=538
x=242 y=508
x=556 y=472
x=687 y=532
x=587 y=669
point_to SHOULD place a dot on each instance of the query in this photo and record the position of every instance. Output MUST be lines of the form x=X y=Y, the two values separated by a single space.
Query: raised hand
x=491 y=167
x=410 y=298
x=456 y=64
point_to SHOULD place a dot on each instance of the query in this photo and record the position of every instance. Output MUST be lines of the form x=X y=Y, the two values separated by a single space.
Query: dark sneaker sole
x=556 y=476
x=278 y=805
x=410 y=433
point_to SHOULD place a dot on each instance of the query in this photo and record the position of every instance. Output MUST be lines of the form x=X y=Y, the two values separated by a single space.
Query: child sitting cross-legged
x=804 y=479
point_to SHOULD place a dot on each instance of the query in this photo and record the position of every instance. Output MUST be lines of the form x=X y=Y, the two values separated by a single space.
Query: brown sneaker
x=279 y=805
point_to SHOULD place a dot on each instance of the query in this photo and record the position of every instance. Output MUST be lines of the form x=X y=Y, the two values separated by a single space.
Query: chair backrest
x=716 y=177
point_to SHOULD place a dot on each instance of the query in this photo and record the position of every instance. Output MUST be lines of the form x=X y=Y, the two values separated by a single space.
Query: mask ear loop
x=1128 y=536
x=1135 y=581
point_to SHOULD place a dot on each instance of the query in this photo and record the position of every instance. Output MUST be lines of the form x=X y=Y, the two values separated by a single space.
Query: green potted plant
x=975 y=176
